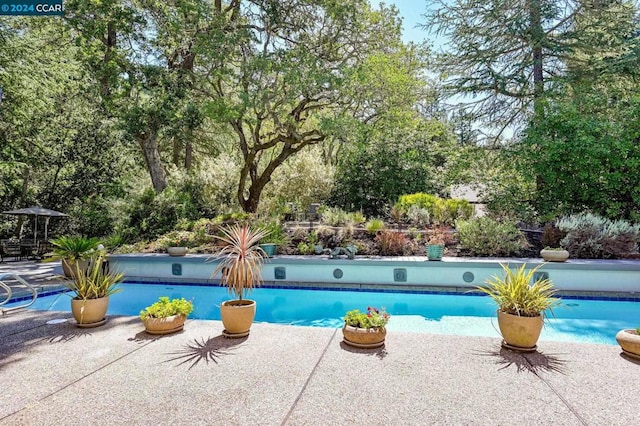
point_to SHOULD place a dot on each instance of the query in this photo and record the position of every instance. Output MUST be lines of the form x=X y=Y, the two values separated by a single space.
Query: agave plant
x=94 y=283
x=241 y=258
x=73 y=247
x=515 y=294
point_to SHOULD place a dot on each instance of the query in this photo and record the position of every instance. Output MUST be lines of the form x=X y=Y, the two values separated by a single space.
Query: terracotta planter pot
x=520 y=332
x=554 y=255
x=237 y=316
x=90 y=312
x=69 y=267
x=629 y=341
x=364 y=337
x=177 y=251
x=166 y=325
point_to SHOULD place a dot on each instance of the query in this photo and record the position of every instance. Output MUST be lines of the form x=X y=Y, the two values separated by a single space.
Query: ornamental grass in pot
x=166 y=316
x=241 y=260
x=365 y=330
x=91 y=289
x=523 y=305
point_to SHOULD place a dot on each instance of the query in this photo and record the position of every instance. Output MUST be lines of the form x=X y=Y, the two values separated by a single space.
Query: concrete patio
x=58 y=374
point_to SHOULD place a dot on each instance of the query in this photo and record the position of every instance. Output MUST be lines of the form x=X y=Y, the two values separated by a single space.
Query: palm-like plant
x=242 y=258
x=73 y=247
x=515 y=294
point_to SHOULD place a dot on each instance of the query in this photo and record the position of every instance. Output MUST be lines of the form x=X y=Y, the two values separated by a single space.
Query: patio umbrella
x=37 y=211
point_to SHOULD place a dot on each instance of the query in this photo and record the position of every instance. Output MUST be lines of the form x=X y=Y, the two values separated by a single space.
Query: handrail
x=7 y=288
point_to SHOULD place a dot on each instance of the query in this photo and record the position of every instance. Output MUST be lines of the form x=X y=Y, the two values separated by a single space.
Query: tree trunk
x=26 y=175
x=537 y=38
x=188 y=156
x=149 y=145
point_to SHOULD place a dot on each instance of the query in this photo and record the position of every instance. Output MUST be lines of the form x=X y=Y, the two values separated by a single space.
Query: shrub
x=357 y=217
x=425 y=201
x=391 y=243
x=334 y=216
x=374 y=225
x=439 y=211
x=275 y=233
x=593 y=237
x=484 y=236
x=456 y=208
x=418 y=216
x=306 y=248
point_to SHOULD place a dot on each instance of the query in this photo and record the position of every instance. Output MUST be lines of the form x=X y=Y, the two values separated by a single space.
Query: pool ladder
x=7 y=288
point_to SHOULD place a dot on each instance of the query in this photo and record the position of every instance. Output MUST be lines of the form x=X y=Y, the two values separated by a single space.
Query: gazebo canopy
x=37 y=211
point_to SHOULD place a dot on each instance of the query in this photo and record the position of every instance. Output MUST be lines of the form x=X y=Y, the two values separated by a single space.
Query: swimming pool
x=592 y=321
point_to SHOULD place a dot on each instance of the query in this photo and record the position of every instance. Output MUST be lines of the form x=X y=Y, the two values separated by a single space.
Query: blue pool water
x=593 y=321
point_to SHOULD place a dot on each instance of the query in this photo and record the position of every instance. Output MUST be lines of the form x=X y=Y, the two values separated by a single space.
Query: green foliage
x=73 y=247
x=374 y=225
x=164 y=308
x=515 y=294
x=421 y=208
x=274 y=233
x=586 y=155
x=374 y=318
x=419 y=199
x=94 y=283
x=391 y=243
x=593 y=237
x=484 y=236
x=178 y=239
x=394 y=157
x=418 y=216
x=334 y=216
x=306 y=248
x=152 y=214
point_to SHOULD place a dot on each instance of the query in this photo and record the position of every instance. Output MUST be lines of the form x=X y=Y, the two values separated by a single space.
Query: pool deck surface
x=58 y=374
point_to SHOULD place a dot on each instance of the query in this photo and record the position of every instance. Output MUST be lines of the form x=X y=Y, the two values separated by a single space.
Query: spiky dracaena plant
x=515 y=294
x=242 y=258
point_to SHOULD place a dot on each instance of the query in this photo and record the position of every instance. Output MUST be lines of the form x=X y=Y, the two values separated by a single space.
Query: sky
x=411 y=12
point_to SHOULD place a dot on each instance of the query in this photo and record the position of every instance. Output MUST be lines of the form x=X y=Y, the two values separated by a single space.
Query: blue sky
x=411 y=12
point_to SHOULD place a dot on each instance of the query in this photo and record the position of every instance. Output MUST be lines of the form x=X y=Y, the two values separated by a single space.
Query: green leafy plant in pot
x=365 y=329
x=73 y=250
x=241 y=260
x=91 y=289
x=166 y=316
x=522 y=305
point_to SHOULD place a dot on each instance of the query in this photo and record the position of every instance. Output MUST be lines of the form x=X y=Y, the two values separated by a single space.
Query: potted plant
x=365 y=330
x=629 y=341
x=554 y=254
x=522 y=305
x=177 y=245
x=435 y=245
x=274 y=235
x=91 y=290
x=166 y=316
x=240 y=269
x=71 y=250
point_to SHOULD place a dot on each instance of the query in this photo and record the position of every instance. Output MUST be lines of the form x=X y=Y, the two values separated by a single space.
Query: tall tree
x=504 y=57
x=288 y=75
